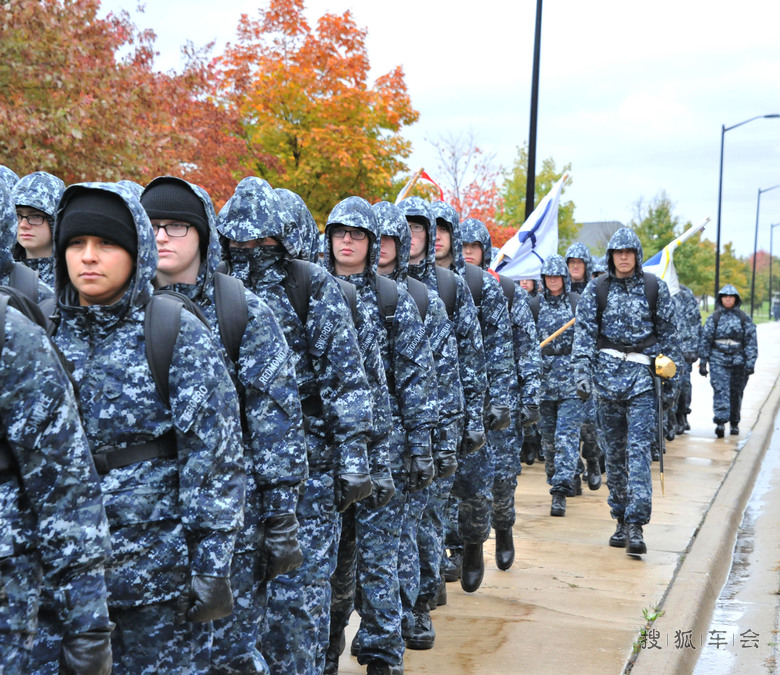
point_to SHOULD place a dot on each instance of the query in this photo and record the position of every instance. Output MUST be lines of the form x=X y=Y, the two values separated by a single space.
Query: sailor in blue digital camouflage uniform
x=171 y=470
x=612 y=355
x=264 y=242
x=471 y=364
x=189 y=253
x=53 y=521
x=580 y=266
x=689 y=329
x=352 y=249
x=473 y=487
x=36 y=196
x=729 y=346
x=561 y=408
x=394 y=263
x=477 y=250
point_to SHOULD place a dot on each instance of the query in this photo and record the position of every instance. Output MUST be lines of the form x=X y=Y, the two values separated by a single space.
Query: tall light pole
x=755 y=251
x=723 y=130
x=530 y=184
x=771 y=235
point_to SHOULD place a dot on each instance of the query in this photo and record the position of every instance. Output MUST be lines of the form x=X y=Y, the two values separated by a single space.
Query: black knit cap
x=101 y=214
x=171 y=198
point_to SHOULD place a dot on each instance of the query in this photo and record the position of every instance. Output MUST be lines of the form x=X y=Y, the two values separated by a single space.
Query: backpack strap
x=387 y=298
x=534 y=303
x=24 y=280
x=349 y=291
x=419 y=292
x=448 y=289
x=232 y=312
x=297 y=284
x=474 y=280
x=574 y=299
x=3 y=304
x=162 y=321
x=508 y=286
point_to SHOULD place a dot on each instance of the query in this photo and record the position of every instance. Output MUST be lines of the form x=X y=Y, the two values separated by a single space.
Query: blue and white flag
x=662 y=263
x=522 y=256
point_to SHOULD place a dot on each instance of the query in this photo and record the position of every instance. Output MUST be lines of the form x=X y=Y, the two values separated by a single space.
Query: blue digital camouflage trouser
x=473 y=490
x=20 y=584
x=237 y=638
x=409 y=556
x=367 y=578
x=728 y=385
x=628 y=428
x=430 y=536
x=298 y=609
x=560 y=425
x=591 y=450
x=507 y=467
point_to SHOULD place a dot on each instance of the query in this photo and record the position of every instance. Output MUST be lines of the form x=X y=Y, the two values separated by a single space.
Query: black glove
x=749 y=371
x=691 y=357
x=382 y=490
x=472 y=441
x=421 y=472
x=446 y=462
x=703 y=369
x=584 y=388
x=529 y=414
x=497 y=417
x=350 y=488
x=281 y=552
x=87 y=653
x=207 y=599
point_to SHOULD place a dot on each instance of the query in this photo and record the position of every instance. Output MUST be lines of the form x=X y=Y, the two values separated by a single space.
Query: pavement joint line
x=689 y=600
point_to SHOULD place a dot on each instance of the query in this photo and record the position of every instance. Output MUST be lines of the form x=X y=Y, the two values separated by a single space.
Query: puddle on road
x=716 y=657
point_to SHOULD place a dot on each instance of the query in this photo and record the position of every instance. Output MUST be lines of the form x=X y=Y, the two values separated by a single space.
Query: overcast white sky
x=632 y=94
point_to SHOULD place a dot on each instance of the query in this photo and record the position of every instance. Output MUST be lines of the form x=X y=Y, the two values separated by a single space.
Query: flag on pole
x=662 y=263
x=424 y=175
x=522 y=256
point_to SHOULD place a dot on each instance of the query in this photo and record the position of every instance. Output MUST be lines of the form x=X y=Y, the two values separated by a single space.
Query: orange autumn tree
x=304 y=99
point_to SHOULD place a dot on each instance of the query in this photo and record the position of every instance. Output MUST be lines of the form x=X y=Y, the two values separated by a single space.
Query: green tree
x=655 y=224
x=695 y=264
x=512 y=194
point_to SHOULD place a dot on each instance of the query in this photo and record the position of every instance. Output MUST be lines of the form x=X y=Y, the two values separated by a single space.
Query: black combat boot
x=505 y=549
x=528 y=453
x=558 y=507
x=354 y=648
x=423 y=635
x=336 y=648
x=441 y=597
x=734 y=430
x=618 y=540
x=720 y=429
x=594 y=474
x=451 y=565
x=382 y=668
x=473 y=567
x=636 y=544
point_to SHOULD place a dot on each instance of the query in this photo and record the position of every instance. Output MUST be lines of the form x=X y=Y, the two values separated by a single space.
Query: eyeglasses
x=33 y=219
x=417 y=228
x=174 y=230
x=341 y=232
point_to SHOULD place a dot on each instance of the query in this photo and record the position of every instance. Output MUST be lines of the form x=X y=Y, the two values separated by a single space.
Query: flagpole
x=409 y=185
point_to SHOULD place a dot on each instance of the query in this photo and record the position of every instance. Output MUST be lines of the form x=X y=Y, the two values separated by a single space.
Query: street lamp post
x=723 y=130
x=755 y=251
x=771 y=236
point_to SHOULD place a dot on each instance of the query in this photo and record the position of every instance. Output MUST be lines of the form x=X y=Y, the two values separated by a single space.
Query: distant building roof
x=596 y=235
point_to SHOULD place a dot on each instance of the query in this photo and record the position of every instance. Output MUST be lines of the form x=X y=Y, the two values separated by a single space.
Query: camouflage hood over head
x=555 y=266
x=40 y=190
x=392 y=223
x=417 y=208
x=625 y=238
x=140 y=290
x=444 y=213
x=354 y=212
x=581 y=251
x=472 y=230
x=7 y=229
x=212 y=248
x=8 y=177
x=310 y=234
x=728 y=289
x=255 y=212
x=599 y=265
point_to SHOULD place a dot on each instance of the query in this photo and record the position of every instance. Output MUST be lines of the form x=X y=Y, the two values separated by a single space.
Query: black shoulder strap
x=419 y=292
x=534 y=302
x=574 y=298
x=3 y=304
x=297 y=284
x=651 y=291
x=448 y=289
x=387 y=297
x=602 y=290
x=474 y=280
x=508 y=286
x=162 y=322
x=349 y=292
x=23 y=303
x=25 y=280
x=232 y=312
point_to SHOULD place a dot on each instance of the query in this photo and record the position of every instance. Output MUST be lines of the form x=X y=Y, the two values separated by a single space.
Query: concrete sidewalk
x=572 y=604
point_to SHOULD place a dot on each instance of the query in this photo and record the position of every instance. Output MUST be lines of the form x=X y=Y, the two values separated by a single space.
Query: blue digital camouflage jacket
x=732 y=325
